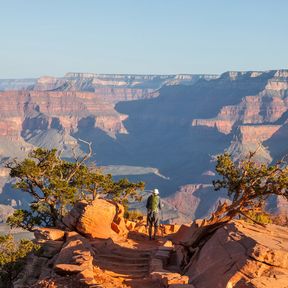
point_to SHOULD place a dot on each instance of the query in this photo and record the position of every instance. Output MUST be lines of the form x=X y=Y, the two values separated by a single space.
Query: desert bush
x=258 y=217
x=12 y=258
x=134 y=215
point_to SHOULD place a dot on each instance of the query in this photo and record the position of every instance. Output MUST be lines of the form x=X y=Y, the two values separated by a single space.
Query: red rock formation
x=35 y=110
x=242 y=255
x=187 y=200
x=252 y=110
x=266 y=107
x=254 y=134
x=81 y=102
x=99 y=219
x=237 y=254
x=223 y=126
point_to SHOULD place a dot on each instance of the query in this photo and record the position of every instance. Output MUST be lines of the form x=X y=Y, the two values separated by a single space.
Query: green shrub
x=259 y=217
x=134 y=215
x=12 y=258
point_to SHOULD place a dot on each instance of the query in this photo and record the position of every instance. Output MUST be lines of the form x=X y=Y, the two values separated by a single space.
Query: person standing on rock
x=153 y=206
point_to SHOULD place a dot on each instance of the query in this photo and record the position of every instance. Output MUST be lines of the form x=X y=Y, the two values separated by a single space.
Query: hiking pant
x=153 y=221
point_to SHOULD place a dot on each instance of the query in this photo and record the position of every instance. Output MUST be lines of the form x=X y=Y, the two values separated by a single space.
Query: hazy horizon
x=138 y=74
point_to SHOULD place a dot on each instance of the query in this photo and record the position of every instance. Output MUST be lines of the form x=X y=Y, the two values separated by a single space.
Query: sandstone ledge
x=242 y=255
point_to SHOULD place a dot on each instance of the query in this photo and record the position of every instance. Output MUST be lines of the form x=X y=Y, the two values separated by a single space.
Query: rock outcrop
x=71 y=253
x=98 y=219
x=236 y=254
x=239 y=254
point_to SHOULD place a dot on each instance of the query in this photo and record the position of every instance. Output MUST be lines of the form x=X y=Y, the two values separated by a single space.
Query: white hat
x=156 y=191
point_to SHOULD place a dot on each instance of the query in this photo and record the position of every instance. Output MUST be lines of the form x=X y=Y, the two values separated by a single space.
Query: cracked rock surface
x=243 y=255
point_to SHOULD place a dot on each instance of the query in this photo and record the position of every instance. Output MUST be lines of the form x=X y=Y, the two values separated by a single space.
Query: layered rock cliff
x=172 y=123
x=257 y=117
x=188 y=125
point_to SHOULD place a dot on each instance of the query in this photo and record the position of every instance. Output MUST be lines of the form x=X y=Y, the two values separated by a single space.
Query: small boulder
x=45 y=233
x=99 y=219
x=168 y=278
x=168 y=243
x=67 y=269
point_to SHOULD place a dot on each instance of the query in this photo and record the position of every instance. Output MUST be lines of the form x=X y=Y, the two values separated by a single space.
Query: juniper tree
x=249 y=184
x=56 y=184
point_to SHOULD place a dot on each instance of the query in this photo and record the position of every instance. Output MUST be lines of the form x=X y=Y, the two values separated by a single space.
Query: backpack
x=153 y=203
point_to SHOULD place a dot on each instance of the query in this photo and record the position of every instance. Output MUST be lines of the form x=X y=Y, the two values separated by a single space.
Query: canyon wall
x=174 y=124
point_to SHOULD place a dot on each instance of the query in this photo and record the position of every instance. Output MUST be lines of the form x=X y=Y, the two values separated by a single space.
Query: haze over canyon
x=162 y=129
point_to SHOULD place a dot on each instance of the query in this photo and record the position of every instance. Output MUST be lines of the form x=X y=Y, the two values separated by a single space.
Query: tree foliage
x=56 y=184
x=12 y=258
x=261 y=217
x=249 y=184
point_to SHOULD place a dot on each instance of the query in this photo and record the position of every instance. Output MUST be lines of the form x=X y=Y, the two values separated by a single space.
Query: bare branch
x=89 y=154
x=79 y=162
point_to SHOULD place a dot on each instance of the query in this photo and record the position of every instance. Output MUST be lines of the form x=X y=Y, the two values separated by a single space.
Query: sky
x=52 y=37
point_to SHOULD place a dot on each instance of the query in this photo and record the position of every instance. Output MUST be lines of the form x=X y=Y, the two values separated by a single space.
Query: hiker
x=153 y=206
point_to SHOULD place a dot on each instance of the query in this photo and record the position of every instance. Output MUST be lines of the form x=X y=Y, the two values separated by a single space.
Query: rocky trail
x=119 y=254
x=130 y=265
x=130 y=262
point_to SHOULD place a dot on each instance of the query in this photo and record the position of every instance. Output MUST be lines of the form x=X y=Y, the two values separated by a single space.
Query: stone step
x=164 y=248
x=162 y=254
x=121 y=259
x=124 y=270
x=105 y=263
x=135 y=254
x=144 y=283
x=134 y=250
x=138 y=275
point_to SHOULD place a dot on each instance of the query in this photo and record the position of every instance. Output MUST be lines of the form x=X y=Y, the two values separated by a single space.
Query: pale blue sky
x=41 y=37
